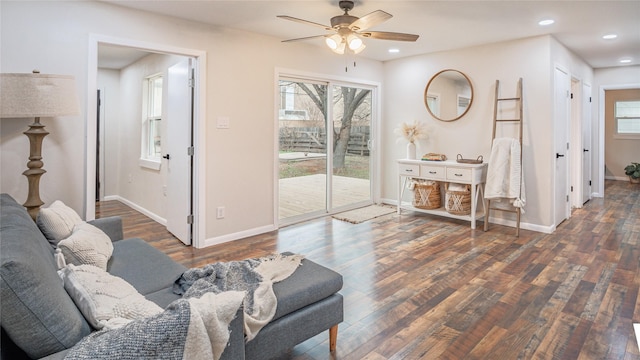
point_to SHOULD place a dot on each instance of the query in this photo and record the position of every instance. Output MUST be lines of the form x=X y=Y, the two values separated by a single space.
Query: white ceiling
x=442 y=25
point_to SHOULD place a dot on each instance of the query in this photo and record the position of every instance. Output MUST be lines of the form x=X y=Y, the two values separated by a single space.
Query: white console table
x=444 y=171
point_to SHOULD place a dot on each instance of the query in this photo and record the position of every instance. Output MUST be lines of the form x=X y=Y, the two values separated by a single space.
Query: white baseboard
x=523 y=225
x=239 y=235
x=618 y=178
x=500 y=221
x=137 y=207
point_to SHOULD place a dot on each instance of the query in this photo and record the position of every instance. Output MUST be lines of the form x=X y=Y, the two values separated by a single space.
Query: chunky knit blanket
x=196 y=326
x=255 y=277
x=187 y=329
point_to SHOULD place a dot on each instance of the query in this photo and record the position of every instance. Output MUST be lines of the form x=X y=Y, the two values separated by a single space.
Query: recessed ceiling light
x=394 y=51
x=625 y=61
x=609 y=36
x=546 y=22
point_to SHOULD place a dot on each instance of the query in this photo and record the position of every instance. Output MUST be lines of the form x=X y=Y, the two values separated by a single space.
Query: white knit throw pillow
x=57 y=221
x=87 y=245
x=105 y=300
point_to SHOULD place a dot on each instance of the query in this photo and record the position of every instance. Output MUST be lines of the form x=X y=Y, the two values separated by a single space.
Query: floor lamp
x=34 y=96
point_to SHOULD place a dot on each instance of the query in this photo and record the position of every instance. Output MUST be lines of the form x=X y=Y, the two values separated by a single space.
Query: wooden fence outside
x=313 y=139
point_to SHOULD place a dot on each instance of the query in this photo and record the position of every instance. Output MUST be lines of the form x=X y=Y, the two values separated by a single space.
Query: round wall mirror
x=448 y=95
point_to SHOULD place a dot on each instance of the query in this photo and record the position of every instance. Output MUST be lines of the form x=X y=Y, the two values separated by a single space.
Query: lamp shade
x=37 y=95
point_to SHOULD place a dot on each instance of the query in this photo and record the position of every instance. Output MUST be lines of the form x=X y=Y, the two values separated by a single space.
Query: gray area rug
x=366 y=213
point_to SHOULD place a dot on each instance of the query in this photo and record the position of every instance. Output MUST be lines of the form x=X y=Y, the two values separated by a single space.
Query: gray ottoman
x=309 y=297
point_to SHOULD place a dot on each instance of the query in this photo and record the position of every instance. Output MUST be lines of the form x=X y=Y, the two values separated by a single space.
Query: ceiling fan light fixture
x=359 y=50
x=342 y=46
x=347 y=35
x=333 y=42
x=355 y=43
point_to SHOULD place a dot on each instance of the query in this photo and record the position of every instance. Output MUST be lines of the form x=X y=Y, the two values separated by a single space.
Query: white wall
x=530 y=59
x=54 y=37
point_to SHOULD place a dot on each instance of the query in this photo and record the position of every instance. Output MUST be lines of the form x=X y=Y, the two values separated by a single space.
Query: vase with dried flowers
x=411 y=132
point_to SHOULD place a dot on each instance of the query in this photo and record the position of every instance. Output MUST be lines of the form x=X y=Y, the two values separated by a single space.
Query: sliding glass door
x=303 y=148
x=324 y=148
x=351 y=168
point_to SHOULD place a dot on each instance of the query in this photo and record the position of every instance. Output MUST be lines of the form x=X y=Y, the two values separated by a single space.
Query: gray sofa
x=40 y=320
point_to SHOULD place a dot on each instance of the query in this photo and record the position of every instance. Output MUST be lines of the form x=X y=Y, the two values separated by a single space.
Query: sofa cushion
x=104 y=298
x=163 y=297
x=87 y=245
x=57 y=221
x=37 y=313
x=143 y=266
x=310 y=283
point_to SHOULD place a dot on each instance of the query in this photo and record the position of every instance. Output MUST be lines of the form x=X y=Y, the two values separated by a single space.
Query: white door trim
x=200 y=66
x=600 y=156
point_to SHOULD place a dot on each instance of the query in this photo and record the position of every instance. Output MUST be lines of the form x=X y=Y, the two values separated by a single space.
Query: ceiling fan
x=348 y=30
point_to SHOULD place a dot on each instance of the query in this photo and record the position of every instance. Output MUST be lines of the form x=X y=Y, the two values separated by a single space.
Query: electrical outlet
x=220 y=212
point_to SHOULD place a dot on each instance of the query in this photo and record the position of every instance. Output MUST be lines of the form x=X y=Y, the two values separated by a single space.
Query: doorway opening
x=163 y=186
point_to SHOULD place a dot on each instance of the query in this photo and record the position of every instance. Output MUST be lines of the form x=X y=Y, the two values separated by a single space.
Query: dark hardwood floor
x=424 y=287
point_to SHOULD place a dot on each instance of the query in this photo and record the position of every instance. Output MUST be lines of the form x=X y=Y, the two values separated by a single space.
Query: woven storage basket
x=458 y=202
x=427 y=195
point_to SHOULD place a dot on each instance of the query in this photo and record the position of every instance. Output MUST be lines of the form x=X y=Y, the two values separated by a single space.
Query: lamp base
x=35 y=134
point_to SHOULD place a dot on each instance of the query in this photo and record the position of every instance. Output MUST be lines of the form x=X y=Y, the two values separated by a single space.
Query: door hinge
x=190 y=219
x=571 y=188
x=572 y=95
x=589 y=182
x=589 y=98
x=192 y=82
x=567 y=198
x=190 y=151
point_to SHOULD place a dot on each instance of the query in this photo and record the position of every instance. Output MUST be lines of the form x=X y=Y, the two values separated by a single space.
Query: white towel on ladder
x=504 y=174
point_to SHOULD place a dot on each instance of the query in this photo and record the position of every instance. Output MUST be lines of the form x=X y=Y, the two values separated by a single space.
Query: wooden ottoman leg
x=333 y=338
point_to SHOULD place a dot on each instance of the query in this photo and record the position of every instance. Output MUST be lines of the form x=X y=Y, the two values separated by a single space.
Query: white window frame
x=433 y=101
x=618 y=135
x=148 y=157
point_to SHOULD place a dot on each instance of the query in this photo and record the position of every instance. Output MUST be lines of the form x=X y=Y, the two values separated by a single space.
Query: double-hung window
x=627 y=117
x=151 y=151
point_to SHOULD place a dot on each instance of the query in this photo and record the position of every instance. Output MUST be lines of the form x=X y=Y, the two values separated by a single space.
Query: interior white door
x=561 y=123
x=586 y=143
x=177 y=155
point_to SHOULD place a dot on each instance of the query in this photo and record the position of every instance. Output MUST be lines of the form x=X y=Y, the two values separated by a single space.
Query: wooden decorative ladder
x=517 y=120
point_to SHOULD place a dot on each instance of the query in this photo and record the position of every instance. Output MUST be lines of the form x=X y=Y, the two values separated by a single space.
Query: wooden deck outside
x=305 y=194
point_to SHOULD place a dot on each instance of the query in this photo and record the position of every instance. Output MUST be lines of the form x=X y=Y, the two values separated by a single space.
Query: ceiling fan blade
x=305 y=38
x=286 y=17
x=382 y=35
x=370 y=20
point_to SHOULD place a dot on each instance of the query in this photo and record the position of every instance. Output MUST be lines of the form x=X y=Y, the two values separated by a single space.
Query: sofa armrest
x=112 y=226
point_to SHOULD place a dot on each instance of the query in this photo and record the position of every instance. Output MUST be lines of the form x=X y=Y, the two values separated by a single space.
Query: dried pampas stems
x=411 y=132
